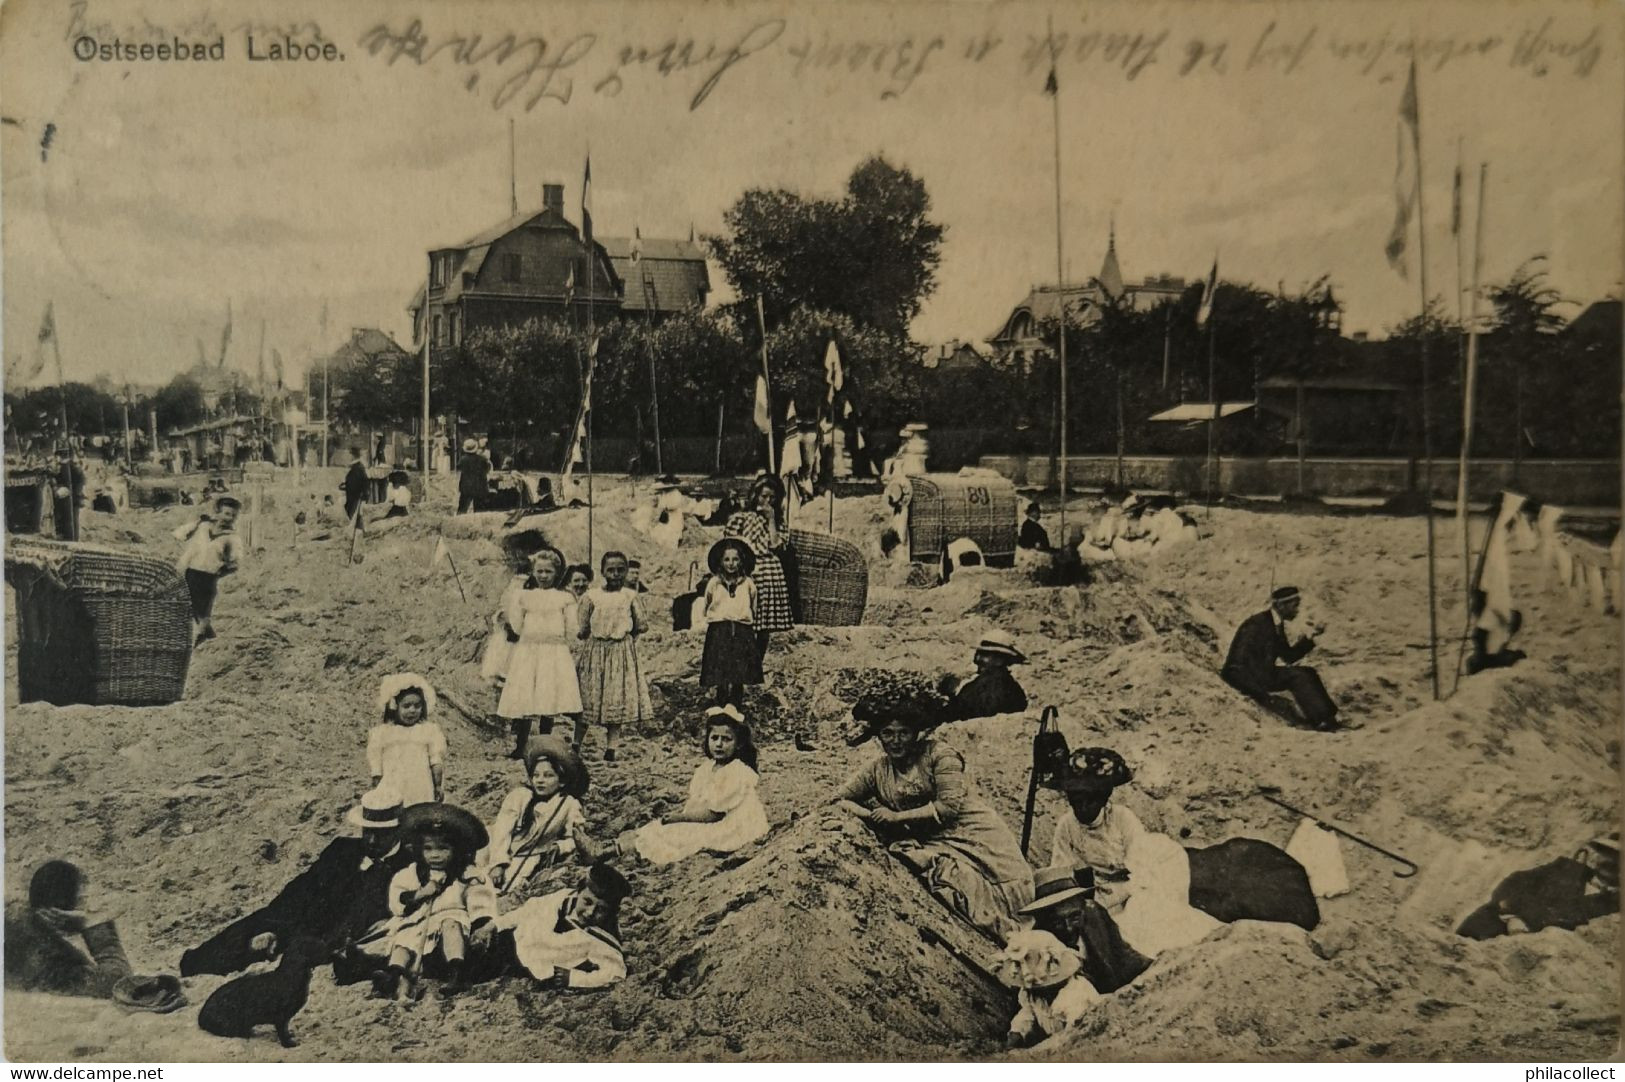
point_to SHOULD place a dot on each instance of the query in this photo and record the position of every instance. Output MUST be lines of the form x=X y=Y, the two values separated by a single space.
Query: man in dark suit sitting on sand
x=335 y=900
x=1261 y=643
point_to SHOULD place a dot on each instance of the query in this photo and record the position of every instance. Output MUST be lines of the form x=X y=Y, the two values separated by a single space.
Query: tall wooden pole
x=1427 y=420
x=1213 y=421
x=1060 y=272
x=428 y=336
x=67 y=438
x=1471 y=381
x=649 y=297
x=767 y=385
x=717 y=469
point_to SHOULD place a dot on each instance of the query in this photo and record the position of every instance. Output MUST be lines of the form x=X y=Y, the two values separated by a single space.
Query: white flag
x=832 y=370
x=1210 y=287
x=763 y=424
x=441 y=553
x=1406 y=172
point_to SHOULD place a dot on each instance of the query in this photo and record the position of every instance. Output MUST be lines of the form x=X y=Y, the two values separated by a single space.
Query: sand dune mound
x=810 y=944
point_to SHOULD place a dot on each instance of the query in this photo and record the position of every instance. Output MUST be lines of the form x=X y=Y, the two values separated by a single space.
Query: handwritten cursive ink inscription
x=531 y=65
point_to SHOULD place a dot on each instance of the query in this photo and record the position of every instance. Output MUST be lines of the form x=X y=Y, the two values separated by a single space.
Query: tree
x=1524 y=342
x=870 y=256
x=179 y=403
x=376 y=391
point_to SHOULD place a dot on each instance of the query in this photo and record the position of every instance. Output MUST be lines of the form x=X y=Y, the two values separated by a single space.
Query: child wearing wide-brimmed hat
x=406 y=751
x=535 y=826
x=1096 y=833
x=441 y=904
x=723 y=812
x=731 y=658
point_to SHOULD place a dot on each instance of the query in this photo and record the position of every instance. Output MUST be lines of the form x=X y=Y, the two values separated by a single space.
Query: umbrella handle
x=1410 y=868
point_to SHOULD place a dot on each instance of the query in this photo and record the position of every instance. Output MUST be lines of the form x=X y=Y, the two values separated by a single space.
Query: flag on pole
x=1455 y=202
x=276 y=366
x=790 y=456
x=1210 y=287
x=832 y=370
x=578 y=444
x=763 y=425
x=586 y=205
x=1051 y=87
x=1405 y=176
x=47 y=333
x=225 y=336
x=441 y=553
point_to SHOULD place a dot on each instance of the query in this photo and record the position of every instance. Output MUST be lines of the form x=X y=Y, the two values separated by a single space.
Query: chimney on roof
x=553 y=198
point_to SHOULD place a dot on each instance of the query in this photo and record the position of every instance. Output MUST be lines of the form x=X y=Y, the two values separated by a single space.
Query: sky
x=1259 y=134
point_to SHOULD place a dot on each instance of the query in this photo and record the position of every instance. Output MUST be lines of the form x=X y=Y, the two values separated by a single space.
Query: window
x=456 y=329
x=512 y=264
x=439 y=332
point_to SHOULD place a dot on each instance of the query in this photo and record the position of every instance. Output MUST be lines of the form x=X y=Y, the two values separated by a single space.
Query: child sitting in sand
x=723 y=812
x=406 y=751
x=613 y=690
x=440 y=904
x=536 y=825
x=567 y=939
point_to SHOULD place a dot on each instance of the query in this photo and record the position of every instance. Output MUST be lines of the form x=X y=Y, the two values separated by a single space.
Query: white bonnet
x=391 y=686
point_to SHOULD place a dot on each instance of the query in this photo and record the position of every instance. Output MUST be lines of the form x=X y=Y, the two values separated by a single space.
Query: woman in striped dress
x=760 y=528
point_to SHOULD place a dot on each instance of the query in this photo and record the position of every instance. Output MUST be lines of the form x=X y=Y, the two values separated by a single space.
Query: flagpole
x=327 y=392
x=1467 y=422
x=592 y=356
x=1060 y=266
x=423 y=434
x=67 y=438
x=1213 y=421
x=767 y=386
x=1427 y=423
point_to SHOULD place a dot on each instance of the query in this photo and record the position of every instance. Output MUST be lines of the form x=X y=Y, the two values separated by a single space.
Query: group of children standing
x=563 y=649
x=446 y=904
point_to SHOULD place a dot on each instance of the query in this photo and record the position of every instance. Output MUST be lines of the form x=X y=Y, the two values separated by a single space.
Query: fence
x=1576 y=482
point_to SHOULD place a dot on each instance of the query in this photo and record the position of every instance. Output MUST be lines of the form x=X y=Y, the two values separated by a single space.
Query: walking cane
x=1032 y=785
x=1268 y=791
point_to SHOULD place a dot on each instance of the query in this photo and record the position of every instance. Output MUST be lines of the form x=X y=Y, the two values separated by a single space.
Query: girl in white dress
x=407 y=751
x=541 y=680
x=723 y=812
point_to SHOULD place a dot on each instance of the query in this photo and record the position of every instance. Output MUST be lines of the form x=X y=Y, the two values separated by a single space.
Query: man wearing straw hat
x=336 y=899
x=473 y=471
x=993 y=690
x=1262 y=661
x=1064 y=905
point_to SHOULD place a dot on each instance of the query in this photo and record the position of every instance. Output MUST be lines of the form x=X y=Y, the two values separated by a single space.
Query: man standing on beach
x=356 y=485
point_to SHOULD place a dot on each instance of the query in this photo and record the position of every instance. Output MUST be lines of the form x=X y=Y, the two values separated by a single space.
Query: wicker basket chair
x=831 y=580
x=98 y=625
x=945 y=507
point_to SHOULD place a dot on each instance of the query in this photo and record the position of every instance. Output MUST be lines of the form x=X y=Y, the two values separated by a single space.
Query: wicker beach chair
x=832 y=580
x=944 y=508
x=98 y=625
